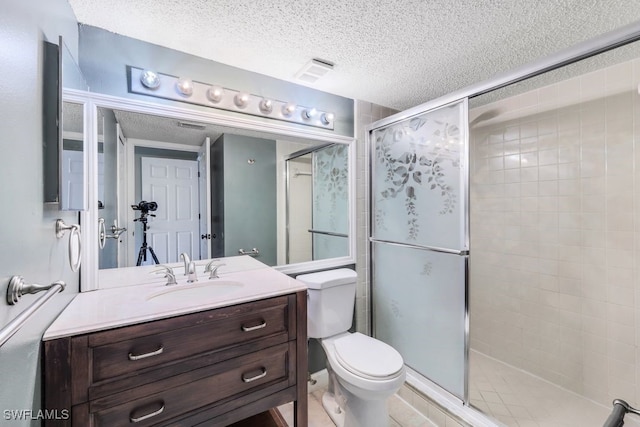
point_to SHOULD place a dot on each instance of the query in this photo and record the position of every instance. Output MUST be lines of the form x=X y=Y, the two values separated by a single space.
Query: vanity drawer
x=173 y=397
x=127 y=350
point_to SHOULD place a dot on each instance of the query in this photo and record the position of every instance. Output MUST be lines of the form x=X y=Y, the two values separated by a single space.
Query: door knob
x=205 y=236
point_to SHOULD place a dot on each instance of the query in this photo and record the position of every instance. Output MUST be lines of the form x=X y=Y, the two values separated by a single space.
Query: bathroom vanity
x=208 y=354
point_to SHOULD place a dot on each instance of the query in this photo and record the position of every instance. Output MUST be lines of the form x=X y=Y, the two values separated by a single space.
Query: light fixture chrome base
x=171 y=87
x=17 y=288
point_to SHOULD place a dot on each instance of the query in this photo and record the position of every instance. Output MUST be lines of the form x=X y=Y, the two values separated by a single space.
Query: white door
x=173 y=185
x=72 y=180
x=205 y=196
x=100 y=178
x=122 y=207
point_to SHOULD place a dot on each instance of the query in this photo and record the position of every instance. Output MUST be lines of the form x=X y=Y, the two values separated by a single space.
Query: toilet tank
x=330 y=302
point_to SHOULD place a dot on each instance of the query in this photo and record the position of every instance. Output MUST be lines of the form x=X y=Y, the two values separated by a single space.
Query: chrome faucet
x=168 y=274
x=191 y=272
x=185 y=257
x=212 y=269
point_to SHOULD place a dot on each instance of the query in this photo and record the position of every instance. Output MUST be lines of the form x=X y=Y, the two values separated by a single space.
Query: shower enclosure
x=420 y=241
x=317 y=190
x=540 y=327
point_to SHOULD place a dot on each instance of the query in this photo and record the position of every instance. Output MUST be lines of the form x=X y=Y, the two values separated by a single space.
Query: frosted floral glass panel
x=419 y=309
x=329 y=246
x=330 y=168
x=418 y=180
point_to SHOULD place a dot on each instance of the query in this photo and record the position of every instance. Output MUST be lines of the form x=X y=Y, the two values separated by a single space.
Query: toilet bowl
x=363 y=371
x=363 y=374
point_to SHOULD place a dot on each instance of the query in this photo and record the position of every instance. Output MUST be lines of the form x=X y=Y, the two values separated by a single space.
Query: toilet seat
x=367 y=357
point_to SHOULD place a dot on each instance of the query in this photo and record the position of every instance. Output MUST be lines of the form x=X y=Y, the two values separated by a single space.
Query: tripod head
x=144 y=207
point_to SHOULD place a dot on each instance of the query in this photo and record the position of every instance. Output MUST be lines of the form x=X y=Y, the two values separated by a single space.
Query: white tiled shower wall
x=555 y=232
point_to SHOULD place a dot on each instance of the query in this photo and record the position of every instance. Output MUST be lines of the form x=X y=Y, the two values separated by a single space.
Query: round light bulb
x=327 y=118
x=214 y=93
x=185 y=86
x=308 y=114
x=241 y=100
x=266 y=106
x=288 y=109
x=150 y=79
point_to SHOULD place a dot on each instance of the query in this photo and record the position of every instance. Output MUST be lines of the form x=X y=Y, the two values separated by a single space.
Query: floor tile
x=401 y=414
x=519 y=399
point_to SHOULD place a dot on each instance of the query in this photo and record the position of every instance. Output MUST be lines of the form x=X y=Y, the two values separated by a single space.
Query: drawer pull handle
x=255 y=328
x=149 y=415
x=257 y=377
x=144 y=356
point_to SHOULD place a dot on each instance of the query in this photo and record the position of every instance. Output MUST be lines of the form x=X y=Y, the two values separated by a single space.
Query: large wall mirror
x=168 y=185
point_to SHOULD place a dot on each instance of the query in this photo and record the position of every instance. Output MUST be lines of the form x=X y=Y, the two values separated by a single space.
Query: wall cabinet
x=210 y=368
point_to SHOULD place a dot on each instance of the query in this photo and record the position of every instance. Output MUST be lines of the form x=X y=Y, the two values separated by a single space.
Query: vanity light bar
x=146 y=82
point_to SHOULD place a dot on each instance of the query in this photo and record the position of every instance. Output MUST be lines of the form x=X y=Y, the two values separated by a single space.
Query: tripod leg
x=141 y=254
x=153 y=254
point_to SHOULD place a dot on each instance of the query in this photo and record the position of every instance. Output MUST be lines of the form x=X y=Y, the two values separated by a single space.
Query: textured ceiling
x=397 y=53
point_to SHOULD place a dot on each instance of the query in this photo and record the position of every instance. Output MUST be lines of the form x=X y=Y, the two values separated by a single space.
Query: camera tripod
x=142 y=254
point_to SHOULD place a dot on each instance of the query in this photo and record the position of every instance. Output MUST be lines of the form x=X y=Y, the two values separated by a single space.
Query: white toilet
x=363 y=372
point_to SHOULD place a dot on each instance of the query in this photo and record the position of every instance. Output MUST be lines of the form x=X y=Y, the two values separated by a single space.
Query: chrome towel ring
x=61 y=228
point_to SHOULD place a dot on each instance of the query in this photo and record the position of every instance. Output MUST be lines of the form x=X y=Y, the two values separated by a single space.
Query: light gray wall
x=104 y=58
x=250 y=196
x=29 y=246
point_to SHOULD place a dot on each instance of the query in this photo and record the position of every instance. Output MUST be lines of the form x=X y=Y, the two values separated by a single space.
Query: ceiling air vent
x=195 y=126
x=313 y=70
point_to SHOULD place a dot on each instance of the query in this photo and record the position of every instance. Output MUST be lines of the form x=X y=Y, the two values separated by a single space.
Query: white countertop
x=115 y=305
x=121 y=277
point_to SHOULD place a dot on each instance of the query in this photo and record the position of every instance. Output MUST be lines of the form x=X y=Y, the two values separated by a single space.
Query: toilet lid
x=367 y=356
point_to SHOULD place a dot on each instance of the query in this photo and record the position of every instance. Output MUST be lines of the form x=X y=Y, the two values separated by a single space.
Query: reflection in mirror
x=317 y=191
x=64 y=148
x=72 y=159
x=72 y=77
x=170 y=186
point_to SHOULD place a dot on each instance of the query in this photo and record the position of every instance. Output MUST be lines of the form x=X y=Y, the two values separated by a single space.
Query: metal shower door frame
x=369 y=141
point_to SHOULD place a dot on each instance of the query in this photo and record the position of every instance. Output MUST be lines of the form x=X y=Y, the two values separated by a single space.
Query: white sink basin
x=194 y=292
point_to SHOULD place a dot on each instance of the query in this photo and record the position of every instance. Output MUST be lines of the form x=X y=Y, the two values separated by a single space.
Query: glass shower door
x=330 y=219
x=420 y=242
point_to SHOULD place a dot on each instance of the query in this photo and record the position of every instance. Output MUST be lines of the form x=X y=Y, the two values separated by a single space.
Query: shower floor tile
x=519 y=399
x=401 y=414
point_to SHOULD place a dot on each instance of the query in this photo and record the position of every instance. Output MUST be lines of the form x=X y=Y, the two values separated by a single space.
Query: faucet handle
x=213 y=269
x=162 y=269
x=168 y=274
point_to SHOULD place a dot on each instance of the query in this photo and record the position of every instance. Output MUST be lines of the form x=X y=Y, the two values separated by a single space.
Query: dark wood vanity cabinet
x=210 y=368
